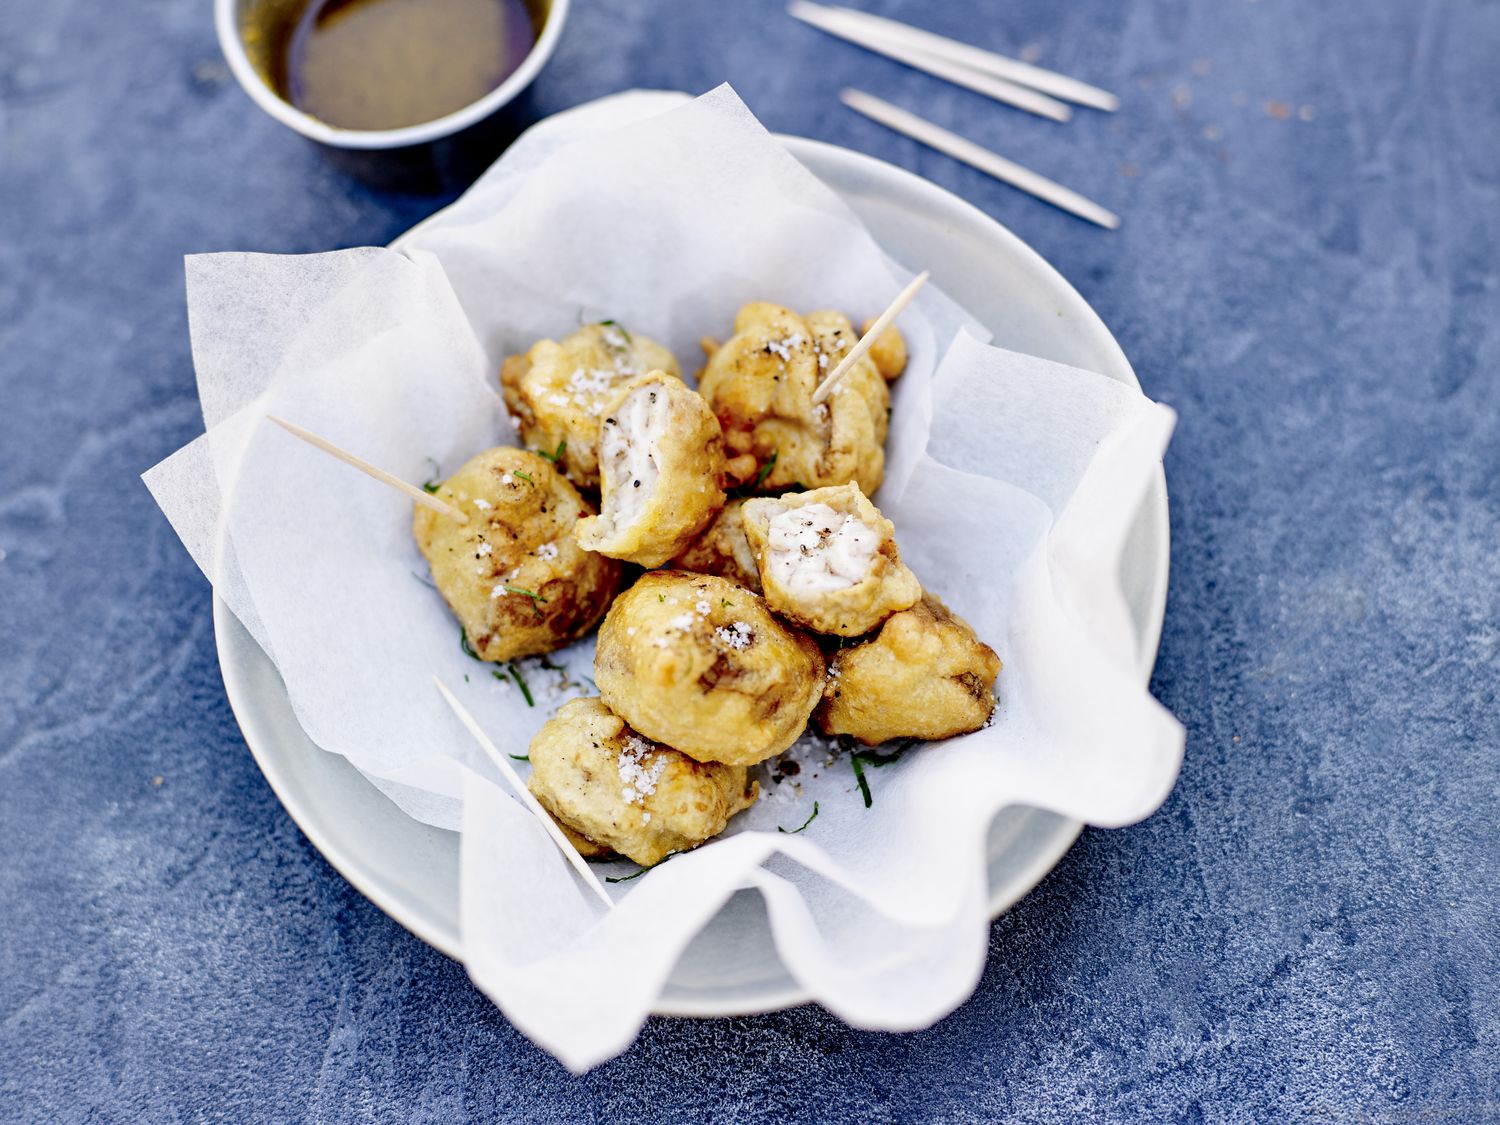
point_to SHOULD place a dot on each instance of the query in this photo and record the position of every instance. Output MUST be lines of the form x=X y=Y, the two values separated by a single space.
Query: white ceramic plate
x=410 y=870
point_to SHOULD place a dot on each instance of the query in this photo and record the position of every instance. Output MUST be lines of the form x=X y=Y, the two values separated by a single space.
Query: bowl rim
x=1064 y=832
x=227 y=25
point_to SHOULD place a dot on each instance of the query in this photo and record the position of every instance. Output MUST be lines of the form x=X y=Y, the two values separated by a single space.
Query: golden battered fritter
x=828 y=560
x=513 y=575
x=699 y=663
x=604 y=781
x=556 y=392
x=888 y=351
x=661 y=464
x=722 y=549
x=760 y=383
x=924 y=675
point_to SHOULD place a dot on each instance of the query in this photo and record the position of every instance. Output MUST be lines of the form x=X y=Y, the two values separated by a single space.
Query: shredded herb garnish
x=661 y=597
x=615 y=324
x=859 y=759
x=805 y=823
x=519 y=757
x=859 y=776
x=625 y=878
x=463 y=643
x=536 y=599
x=525 y=692
x=524 y=476
x=726 y=603
x=765 y=471
x=431 y=486
x=555 y=458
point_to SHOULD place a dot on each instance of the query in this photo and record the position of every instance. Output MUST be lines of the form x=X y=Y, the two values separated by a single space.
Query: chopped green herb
x=431 y=486
x=661 y=597
x=625 y=878
x=519 y=757
x=536 y=599
x=428 y=582
x=556 y=457
x=765 y=471
x=872 y=759
x=726 y=603
x=551 y=667
x=520 y=683
x=524 y=476
x=615 y=324
x=463 y=643
x=805 y=823
x=515 y=674
x=859 y=776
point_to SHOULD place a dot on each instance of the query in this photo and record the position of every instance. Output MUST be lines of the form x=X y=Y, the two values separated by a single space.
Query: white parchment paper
x=1012 y=483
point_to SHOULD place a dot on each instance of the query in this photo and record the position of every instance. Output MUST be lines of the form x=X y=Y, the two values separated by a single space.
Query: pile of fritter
x=783 y=602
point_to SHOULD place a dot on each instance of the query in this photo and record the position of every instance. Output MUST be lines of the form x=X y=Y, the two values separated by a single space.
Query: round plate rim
x=1066 y=830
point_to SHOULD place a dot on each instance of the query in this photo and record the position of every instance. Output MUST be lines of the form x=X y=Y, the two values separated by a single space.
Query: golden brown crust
x=924 y=675
x=589 y=849
x=723 y=549
x=603 y=781
x=760 y=383
x=519 y=538
x=556 y=391
x=697 y=662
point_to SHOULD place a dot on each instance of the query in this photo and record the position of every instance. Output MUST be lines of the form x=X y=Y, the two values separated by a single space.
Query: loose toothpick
x=427 y=500
x=857 y=353
x=977 y=156
x=570 y=853
x=965 y=54
x=919 y=57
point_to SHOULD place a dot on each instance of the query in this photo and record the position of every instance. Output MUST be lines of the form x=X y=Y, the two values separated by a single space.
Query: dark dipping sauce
x=386 y=64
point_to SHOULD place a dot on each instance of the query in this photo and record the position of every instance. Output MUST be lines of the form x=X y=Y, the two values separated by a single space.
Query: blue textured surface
x=1307 y=272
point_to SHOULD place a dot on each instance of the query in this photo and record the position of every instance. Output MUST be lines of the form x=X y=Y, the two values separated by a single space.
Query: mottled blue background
x=1307 y=273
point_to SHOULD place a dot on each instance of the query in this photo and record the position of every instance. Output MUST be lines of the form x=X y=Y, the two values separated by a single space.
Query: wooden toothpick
x=427 y=500
x=857 y=353
x=570 y=853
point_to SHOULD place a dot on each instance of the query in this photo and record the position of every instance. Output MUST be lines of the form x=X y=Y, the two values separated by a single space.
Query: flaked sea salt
x=637 y=773
x=737 y=636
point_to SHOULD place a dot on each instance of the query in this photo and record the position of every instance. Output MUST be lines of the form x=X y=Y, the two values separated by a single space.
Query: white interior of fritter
x=627 y=455
x=815 y=549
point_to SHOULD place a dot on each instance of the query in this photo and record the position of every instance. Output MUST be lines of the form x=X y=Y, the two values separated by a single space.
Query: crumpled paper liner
x=1012 y=483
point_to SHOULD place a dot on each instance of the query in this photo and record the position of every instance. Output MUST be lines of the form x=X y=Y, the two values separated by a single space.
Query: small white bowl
x=443 y=152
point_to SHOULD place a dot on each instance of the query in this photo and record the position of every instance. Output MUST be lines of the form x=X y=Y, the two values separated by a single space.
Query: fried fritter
x=828 y=560
x=557 y=390
x=888 y=351
x=661 y=464
x=605 y=782
x=699 y=663
x=722 y=549
x=513 y=575
x=924 y=675
x=760 y=383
